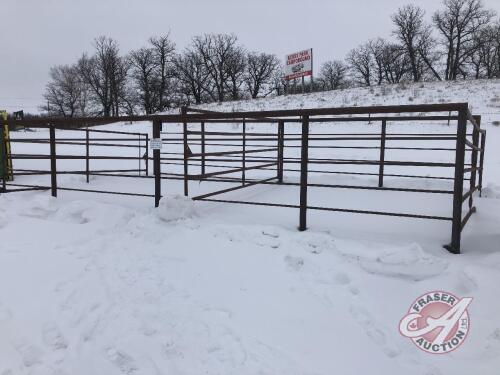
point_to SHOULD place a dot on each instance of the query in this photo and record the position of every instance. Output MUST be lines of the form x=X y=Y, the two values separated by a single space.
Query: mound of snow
x=409 y=262
x=492 y=191
x=175 y=208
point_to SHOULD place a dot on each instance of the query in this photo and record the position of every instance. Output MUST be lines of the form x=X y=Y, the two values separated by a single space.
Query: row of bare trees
x=155 y=78
x=461 y=41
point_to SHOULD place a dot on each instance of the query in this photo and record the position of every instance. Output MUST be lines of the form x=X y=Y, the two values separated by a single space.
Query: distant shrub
x=496 y=123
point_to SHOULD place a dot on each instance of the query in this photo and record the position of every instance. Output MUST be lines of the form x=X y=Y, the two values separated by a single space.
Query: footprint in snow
x=30 y=354
x=122 y=360
x=53 y=337
x=316 y=243
x=171 y=351
x=294 y=263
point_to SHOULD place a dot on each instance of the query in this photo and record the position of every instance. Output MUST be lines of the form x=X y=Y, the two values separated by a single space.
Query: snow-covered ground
x=104 y=284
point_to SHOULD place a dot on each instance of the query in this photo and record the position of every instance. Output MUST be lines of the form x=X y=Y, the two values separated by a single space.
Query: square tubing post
x=304 y=158
x=243 y=156
x=156 y=163
x=139 y=153
x=87 y=154
x=3 y=159
x=458 y=190
x=202 y=148
x=474 y=171
x=186 y=148
x=53 y=161
x=481 y=163
x=382 y=154
x=147 y=154
x=281 y=149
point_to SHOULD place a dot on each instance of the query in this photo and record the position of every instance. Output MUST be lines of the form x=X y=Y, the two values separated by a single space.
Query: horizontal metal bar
x=221 y=153
x=346 y=138
x=84 y=190
x=208 y=133
x=339 y=162
x=46 y=140
x=331 y=209
x=74 y=157
x=23 y=189
x=354 y=187
x=421 y=108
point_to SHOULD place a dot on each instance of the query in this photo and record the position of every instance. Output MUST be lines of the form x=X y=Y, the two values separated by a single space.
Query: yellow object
x=6 y=140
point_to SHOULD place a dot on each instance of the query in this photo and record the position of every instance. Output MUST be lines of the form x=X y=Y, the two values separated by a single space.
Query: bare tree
x=260 y=71
x=153 y=73
x=218 y=53
x=236 y=68
x=458 y=23
x=377 y=49
x=65 y=93
x=361 y=64
x=192 y=75
x=144 y=76
x=485 y=55
x=333 y=75
x=428 y=55
x=105 y=72
x=163 y=53
x=409 y=22
x=395 y=62
x=495 y=35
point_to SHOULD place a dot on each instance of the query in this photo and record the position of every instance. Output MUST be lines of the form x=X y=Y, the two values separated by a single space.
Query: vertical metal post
x=203 y=148
x=87 y=154
x=186 y=150
x=3 y=159
x=156 y=163
x=53 y=161
x=281 y=149
x=481 y=162
x=139 y=154
x=304 y=159
x=243 y=156
x=454 y=246
x=474 y=169
x=147 y=154
x=382 y=154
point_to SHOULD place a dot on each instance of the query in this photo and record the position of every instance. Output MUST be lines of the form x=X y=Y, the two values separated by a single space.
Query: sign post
x=299 y=65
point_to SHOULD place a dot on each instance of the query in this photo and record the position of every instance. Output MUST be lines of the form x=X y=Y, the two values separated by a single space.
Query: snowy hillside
x=483 y=97
x=104 y=284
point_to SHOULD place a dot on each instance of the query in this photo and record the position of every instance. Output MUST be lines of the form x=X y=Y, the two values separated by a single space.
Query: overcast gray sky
x=36 y=34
